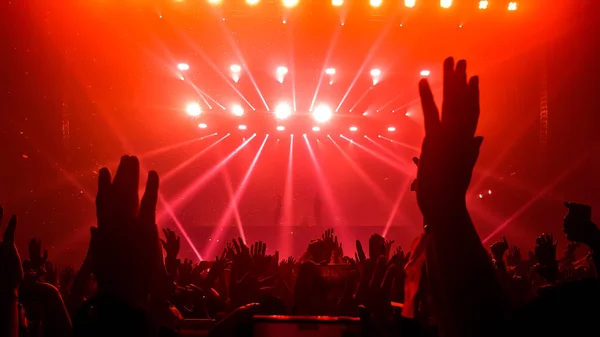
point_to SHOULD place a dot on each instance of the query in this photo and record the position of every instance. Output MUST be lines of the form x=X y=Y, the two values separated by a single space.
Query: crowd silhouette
x=132 y=282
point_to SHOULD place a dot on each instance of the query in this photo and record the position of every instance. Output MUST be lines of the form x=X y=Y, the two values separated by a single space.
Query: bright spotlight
x=445 y=3
x=252 y=2
x=283 y=111
x=425 y=73
x=193 y=109
x=330 y=71
x=242 y=127
x=353 y=129
x=290 y=3
x=237 y=110
x=483 y=4
x=202 y=125
x=409 y=3
x=376 y=3
x=337 y=3
x=512 y=6
x=214 y=2
x=365 y=113
x=235 y=68
x=280 y=128
x=322 y=113
x=183 y=66
x=391 y=129
x=282 y=70
x=375 y=72
x=316 y=128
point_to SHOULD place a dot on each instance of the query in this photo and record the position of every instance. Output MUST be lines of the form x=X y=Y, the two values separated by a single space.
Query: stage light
x=283 y=111
x=193 y=109
x=407 y=114
x=353 y=129
x=330 y=71
x=282 y=70
x=290 y=3
x=489 y=191
x=483 y=4
x=235 y=68
x=375 y=72
x=322 y=113
x=445 y=3
x=280 y=128
x=214 y=2
x=376 y=3
x=316 y=128
x=242 y=127
x=237 y=110
x=480 y=196
x=409 y=3
x=337 y=3
x=425 y=73
x=365 y=113
x=183 y=66
x=512 y=6
x=391 y=129
x=202 y=126
x=252 y=2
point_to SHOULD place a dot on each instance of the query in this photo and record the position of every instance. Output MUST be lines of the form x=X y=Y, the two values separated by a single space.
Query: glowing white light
x=183 y=66
x=409 y=3
x=322 y=113
x=235 y=68
x=407 y=114
x=202 y=126
x=375 y=72
x=489 y=191
x=283 y=111
x=353 y=129
x=193 y=109
x=282 y=70
x=483 y=4
x=480 y=196
x=425 y=73
x=237 y=110
x=242 y=127
x=280 y=128
x=316 y=128
x=337 y=3
x=330 y=71
x=290 y=3
x=445 y=3
x=252 y=2
x=375 y=3
x=391 y=129
x=214 y=2
x=365 y=113
x=512 y=6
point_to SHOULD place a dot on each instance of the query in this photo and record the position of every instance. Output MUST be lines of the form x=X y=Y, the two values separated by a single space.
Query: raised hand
x=360 y=252
x=499 y=248
x=127 y=257
x=11 y=271
x=545 y=253
x=545 y=249
x=513 y=258
x=171 y=243
x=376 y=246
x=35 y=254
x=449 y=150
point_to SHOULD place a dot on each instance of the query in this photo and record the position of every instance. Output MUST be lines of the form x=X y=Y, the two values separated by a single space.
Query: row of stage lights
x=282 y=71
x=243 y=127
x=483 y=4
